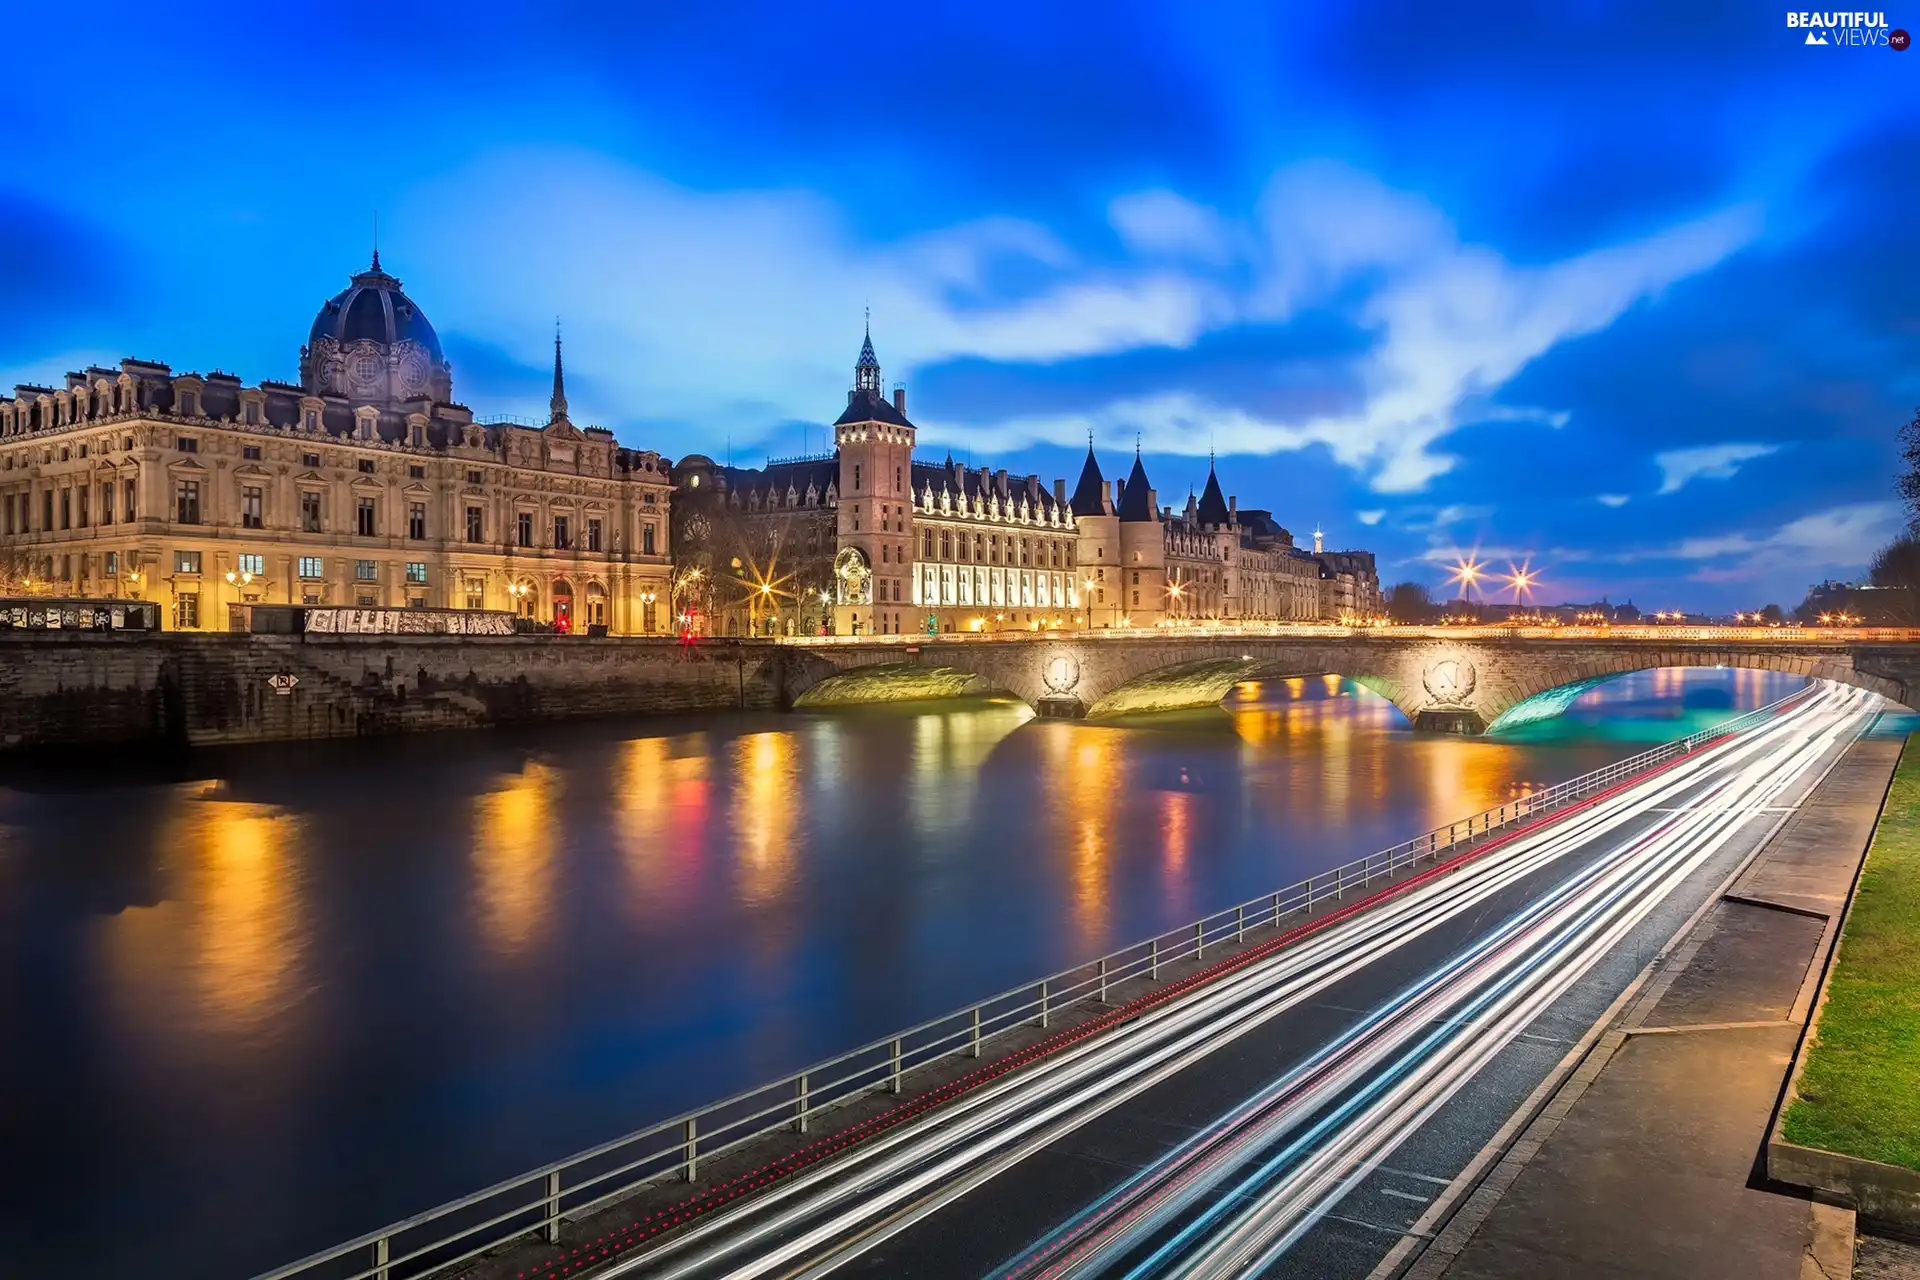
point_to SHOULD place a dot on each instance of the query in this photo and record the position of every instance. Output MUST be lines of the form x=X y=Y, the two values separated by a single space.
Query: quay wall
x=75 y=690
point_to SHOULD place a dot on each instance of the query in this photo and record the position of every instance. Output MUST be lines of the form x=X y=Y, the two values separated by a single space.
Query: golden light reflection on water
x=231 y=910
x=661 y=796
x=1086 y=778
x=766 y=796
x=513 y=851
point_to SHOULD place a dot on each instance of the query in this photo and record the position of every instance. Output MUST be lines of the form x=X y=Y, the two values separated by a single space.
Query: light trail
x=1499 y=985
x=1368 y=1088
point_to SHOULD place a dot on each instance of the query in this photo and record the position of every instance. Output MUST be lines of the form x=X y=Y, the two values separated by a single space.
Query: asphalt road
x=1295 y=1117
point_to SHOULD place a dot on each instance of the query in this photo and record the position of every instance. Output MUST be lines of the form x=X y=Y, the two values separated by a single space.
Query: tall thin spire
x=558 y=404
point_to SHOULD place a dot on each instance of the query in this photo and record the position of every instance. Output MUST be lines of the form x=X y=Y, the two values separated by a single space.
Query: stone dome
x=372 y=342
x=373 y=307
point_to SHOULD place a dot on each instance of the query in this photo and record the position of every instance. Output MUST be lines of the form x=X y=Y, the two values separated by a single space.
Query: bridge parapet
x=1457 y=679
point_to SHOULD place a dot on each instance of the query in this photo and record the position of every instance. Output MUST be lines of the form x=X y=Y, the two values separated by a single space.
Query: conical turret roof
x=1136 y=500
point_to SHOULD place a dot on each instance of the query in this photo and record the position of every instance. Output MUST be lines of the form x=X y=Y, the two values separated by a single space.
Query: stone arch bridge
x=1446 y=680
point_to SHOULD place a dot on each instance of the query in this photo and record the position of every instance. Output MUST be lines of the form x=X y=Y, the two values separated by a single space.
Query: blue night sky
x=1629 y=288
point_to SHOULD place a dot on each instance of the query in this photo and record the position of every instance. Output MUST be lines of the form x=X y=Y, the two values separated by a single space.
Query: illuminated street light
x=1521 y=580
x=1466 y=572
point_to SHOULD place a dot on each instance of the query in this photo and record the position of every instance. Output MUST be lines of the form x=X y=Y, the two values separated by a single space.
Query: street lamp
x=1466 y=572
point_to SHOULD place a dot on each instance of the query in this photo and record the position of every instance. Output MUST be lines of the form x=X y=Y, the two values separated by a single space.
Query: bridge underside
x=892 y=682
x=1546 y=706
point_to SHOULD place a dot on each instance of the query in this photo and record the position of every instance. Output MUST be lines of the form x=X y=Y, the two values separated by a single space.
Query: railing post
x=691 y=1169
x=1276 y=908
x=893 y=1084
x=800 y=1105
x=551 y=1229
x=1240 y=923
x=976 y=1031
x=1103 y=979
x=1199 y=939
x=1153 y=959
x=1043 y=1003
x=380 y=1259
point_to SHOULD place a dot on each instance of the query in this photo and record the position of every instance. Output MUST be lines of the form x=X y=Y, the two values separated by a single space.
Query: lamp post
x=647 y=597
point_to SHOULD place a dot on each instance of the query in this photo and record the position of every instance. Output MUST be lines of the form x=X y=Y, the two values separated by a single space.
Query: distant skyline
x=1627 y=290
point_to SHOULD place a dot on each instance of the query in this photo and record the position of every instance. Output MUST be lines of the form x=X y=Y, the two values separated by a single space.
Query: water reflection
x=766 y=814
x=512 y=858
x=272 y=1010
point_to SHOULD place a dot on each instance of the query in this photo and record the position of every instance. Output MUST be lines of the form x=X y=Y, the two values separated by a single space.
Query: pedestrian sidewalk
x=1648 y=1161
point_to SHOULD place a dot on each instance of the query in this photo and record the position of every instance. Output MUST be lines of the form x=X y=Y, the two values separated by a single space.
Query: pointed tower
x=875 y=442
x=1096 y=551
x=1143 y=549
x=1214 y=512
x=557 y=406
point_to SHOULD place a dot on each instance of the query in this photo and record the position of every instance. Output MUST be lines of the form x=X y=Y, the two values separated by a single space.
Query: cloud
x=1612 y=499
x=713 y=306
x=1165 y=223
x=1370 y=517
x=1837 y=539
x=1707 y=462
x=722 y=308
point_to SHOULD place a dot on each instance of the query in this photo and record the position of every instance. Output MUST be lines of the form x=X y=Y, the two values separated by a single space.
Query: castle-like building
x=364 y=485
x=869 y=540
x=367 y=485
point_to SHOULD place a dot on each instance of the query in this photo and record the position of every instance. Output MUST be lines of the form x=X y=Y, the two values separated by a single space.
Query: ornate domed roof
x=373 y=308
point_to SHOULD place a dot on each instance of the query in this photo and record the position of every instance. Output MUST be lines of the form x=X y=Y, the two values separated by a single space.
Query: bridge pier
x=1061 y=707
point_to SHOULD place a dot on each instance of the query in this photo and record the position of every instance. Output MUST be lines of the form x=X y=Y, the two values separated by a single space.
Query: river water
x=256 y=1008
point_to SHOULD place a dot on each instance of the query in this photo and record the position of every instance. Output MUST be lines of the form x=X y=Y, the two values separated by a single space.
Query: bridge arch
x=1459 y=681
x=892 y=682
x=1543 y=695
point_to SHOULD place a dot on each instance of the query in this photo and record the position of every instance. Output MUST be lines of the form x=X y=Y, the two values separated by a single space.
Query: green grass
x=1860 y=1089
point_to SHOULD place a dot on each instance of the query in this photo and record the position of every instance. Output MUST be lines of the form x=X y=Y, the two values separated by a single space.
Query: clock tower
x=874 y=593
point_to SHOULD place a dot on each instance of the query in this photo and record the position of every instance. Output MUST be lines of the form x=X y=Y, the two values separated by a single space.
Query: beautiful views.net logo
x=1858 y=30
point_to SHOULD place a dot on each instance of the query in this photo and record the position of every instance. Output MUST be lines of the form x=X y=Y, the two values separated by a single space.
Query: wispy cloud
x=1162 y=222
x=1611 y=499
x=1370 y=517
x=1678 y=467
x=731 y=309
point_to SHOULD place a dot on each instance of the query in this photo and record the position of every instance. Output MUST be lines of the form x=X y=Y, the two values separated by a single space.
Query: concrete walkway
x=1647 y=1161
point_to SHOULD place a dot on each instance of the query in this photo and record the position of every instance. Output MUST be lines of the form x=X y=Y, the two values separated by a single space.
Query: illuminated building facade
x=364 y=485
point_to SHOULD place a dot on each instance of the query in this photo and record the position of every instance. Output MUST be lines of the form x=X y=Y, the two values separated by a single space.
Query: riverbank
x=1852 y=1123
x=77 y=692
x=1658 y=1124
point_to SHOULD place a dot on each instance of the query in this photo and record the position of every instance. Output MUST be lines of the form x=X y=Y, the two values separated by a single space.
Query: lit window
x=186 y=562
x=366 y=570
x=312 y=567
x=416 y=571
x=253 y=564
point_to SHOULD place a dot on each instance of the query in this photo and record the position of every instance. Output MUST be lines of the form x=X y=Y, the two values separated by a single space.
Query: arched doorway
x=563 y=606
x=596 y=609
x=525 y=596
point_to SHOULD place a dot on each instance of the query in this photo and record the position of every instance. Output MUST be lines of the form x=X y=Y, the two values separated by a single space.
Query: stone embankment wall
x=77 y=690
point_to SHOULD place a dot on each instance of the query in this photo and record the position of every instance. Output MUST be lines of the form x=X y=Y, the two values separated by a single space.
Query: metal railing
x=540 y=1201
